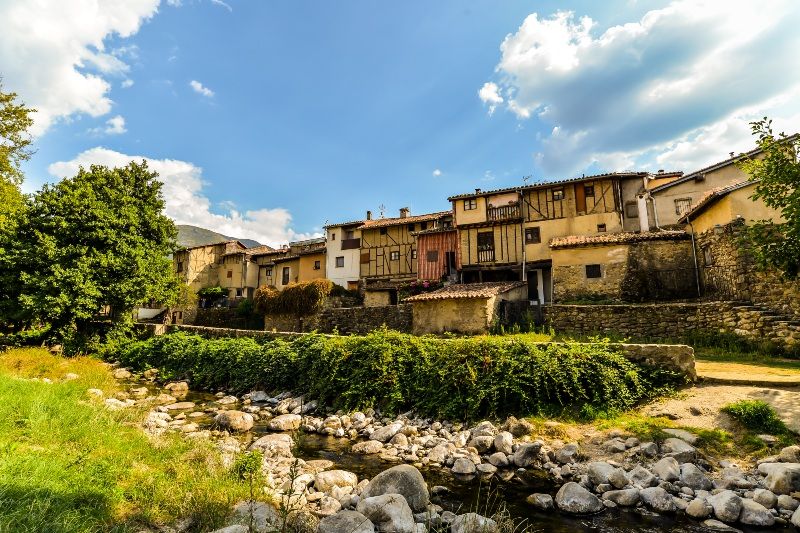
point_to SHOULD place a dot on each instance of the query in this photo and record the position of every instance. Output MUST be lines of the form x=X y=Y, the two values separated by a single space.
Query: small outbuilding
x=469 y=308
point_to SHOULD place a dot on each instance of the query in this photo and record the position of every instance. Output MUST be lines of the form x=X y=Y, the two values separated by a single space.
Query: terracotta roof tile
x=398 y=221
x=617 y=238
x=712 y=196
x=467 y=290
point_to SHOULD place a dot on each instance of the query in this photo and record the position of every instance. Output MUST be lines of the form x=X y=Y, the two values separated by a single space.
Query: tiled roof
x=398 y=221
x=433 y=230
x=307 y=242
x=546 y=184
x=260 y=250
x=285 y=258
x=617 y=238
x=711 y=197
x=467 y=290
x=340 y=224
x=233 y=241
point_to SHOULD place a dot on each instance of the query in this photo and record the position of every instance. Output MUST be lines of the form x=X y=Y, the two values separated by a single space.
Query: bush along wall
x=459 y=379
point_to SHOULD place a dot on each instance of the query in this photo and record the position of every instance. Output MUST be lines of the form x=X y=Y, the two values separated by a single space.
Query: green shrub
x=299 y=299
x=212 y=293
x=461 y=378
x=757 y=416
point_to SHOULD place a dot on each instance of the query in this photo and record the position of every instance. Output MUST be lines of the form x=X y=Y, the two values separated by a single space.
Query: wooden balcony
x=506 y=212
x=351 y=244
x=486 y=256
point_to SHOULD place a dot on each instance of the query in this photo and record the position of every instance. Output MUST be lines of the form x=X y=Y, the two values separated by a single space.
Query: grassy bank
x=68 y=464
x=462 y=378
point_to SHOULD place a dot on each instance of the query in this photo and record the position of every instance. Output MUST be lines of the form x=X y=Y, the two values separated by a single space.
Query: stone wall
x=671 y=321
x=345 y=320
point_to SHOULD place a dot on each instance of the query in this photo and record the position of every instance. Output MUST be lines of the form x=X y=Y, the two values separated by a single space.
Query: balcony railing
x=351 y=244
x=486 y=256
x=505 y=212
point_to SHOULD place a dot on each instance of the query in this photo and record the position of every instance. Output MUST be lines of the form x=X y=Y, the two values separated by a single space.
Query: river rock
x=715 y=525
x=350 y=521
x=235 y=528
x=264 y=516
x=727 y=505
x=121 y=373
x=796 y=518
x=755 y=514
x=782 y=478
x=518 y=428
x=486 y=468
x=526 y=454
x=473 y=523
x=389 y=512
x=463 y=466
x=439 y=453
x=234 y=420
x=325 y=481
x=694 y=478
x=682 y=434
x=498 y=459
x=405 y=480
x=573 y=498
x=599 y=472
x=699 y=508
x=618 y=479
x=386 y=432
x=790 y=454
x=568 y=453
x=641 y=477
x=227 y=400
x=179 y=406
x=648 y=449
x=682 y=451
x=367 y=447
x=177 y=386
x=667 y=469
x=787 y=502
x=482 y=443
x=543 y=502
x=765 y=497
x=288 y=422
x=657 y=499
x=625 y=497
x=503 y=442
x=276 y=445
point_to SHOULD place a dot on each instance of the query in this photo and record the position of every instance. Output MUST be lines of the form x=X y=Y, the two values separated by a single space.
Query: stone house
x=343 y=253
x=297 y=262
x=470 y=308
x=226 y=264
x=626 y=266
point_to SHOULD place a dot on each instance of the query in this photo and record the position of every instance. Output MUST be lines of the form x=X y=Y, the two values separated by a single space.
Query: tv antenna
x=382 y=209
x=526 y=179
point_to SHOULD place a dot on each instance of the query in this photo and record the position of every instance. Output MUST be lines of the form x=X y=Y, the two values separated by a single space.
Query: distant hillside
x=195 y=236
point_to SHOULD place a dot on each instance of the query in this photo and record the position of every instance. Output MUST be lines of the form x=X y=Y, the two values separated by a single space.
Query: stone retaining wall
x=346 y=320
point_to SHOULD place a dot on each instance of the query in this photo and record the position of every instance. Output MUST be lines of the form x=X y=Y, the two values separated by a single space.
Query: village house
x=343 y=253
x=388 y=253
x=297 y=262
x=504 y=234
x=225 y=264
x=437 y=250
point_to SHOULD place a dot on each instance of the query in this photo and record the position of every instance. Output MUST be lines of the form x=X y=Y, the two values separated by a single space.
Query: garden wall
x=345 y=320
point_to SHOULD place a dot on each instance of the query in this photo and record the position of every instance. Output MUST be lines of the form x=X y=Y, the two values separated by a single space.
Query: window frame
x=530 y=233
x=602 y=228
x=588 y=191
x=470 y=204
x=683 y=201
x=180 y=266
x=338 y=263
x=317 y=265
x=595 y=267
x=557 y=194
x=286 y=275
x=394 y=256
x=635 y=206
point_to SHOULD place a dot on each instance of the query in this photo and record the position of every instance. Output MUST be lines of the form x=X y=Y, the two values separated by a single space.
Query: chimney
x=477 y=191
x=369 y=215
x=731 y=155
x=404 y=212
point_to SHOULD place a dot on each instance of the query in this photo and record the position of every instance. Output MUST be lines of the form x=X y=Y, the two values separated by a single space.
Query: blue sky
x=268 y=119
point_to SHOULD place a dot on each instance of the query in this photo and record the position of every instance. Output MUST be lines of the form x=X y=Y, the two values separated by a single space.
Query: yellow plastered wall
x=379 y=250
x=307 y=272
x=735 y=203
x=294 y=272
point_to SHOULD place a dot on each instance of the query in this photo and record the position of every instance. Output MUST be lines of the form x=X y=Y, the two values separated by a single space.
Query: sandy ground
x=747 y=373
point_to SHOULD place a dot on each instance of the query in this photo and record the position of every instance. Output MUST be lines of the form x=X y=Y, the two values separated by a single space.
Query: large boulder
x=482 y=443
x=473 y=523
x=326 y=481
x=386 y=432
x=367 y=447
x=624 y=497
x=796 y=518
x=641 y=477
x=682 y=451
x=667 y=469
x=657 y=499
x=276 y=445
x=727 y=505
x=599 y=472
x=389 y=512
x=755 y=514
x=234 y=421
x=693 y=477
x=350 y=521
x=765 y=497
x=543 y=502
x=503 y=442
x=569 y=453
x=573 y=498
x=463 y=466
x=790 y=454
x=286 y=422
x=782 y=478
x=699 y=508
x=527 y=453
x=518 y=428
x=404 y=480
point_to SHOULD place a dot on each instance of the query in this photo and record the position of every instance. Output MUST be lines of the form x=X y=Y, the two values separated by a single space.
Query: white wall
x=351 y=269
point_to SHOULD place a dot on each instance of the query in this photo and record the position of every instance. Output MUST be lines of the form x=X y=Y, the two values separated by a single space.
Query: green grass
x=757 y=416
x=68 y=464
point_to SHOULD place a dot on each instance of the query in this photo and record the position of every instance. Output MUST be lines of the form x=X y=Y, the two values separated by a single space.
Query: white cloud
x=222 y=4
x=436 y=173
x=490 y=94
x=200 y=89
x=114 y=126
x=633 y=93
x=185 y=201
x=127 y=83
x=52 y=53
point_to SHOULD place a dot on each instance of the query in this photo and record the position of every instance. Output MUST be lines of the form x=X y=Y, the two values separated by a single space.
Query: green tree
x=777 y=177
x=97 y=242
x=15 y=121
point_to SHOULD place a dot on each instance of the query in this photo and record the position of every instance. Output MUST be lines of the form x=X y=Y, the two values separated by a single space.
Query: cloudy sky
x=268 y=119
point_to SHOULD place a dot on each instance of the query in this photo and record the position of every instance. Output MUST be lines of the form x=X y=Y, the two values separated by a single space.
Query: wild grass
x=68 y=464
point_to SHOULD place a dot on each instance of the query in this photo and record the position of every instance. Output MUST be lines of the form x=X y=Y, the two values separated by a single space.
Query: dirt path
x=747 y=374
x=700 y=406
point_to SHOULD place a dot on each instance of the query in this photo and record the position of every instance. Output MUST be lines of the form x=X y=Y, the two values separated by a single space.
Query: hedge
x=462 y=378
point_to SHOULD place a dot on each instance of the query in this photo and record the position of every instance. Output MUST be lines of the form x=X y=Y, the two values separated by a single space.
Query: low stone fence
x=671 y=321
x=346 y=320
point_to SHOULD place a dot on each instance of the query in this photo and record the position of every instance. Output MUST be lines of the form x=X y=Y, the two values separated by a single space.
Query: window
x=285 y=276
x=394 y=256
x=533 y=235
x=317 y=265
x=470 y=204
x=486 y=240
x=230 y=274
x=423 y=226
x=708 y=255
x=382 y=231
x=601 y=228
x=447 y=224
x=682 y=205
x=413 y=254
x=349 y=234
x=558 y=194
x=588 y=190
x=432 y=256
x=333 y=236
x=631 y=210
x=340 y=262
x=268 y=271
x=238 y=293
x=594 y=271
x=411 y=227
x=180 y=266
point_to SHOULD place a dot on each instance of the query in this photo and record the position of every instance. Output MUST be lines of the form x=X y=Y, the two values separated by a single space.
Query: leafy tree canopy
x=777 y=176
x=95 y=242
x=15 y=120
